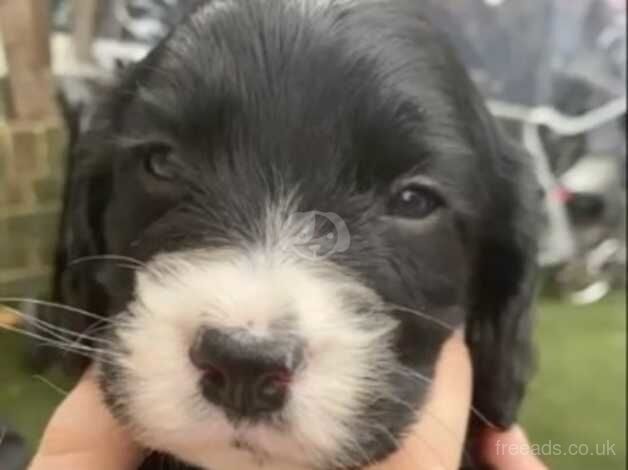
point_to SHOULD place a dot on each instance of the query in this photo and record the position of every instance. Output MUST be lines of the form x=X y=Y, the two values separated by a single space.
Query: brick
x=46 y=250
x=5 y=149
x=33 y=236
x=13 y=254
x=33 y=225
x=4 y=161
x=4 y=172
x=4 y=240
x=36 y=286
x=27 y=149
x=5 y=142
x=14 y=193
x=48 y=190
x=3 y=96
x=56 y=141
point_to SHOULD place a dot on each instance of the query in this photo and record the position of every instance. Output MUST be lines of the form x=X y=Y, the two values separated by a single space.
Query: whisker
x=413 y=435
x=52 y=342
x=57 y=305
x=413 y=373
x=78 y=350
x=53 y=386
x=70 y=344
x=127 y=266
x=474 y=411
x=55 y=330
x=431 y=448
x=403 y=448
x=96 y=327
x=430 y=318
x=483 y=418
x=83 y=259
x=459 y=439
x=85 y=335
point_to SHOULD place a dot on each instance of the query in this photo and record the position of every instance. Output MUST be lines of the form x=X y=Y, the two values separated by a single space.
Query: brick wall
x=31 y=186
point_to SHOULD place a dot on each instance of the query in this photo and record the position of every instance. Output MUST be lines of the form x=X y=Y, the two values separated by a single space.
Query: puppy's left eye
x=159 y=161
x=414 y=202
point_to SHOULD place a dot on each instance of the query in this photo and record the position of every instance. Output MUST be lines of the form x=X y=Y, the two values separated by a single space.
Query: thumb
x=508 y=450
x=82 y=434
x=436 y=440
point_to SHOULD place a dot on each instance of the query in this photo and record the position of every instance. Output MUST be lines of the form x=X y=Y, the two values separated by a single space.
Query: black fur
x=341 y=105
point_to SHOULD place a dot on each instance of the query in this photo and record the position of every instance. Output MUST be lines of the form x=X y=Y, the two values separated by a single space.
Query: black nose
x=245 y=375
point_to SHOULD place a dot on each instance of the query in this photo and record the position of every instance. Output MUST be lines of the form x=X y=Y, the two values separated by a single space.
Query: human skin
x=83 y=434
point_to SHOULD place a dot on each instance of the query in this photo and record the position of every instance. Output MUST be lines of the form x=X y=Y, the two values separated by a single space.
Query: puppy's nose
x=245 y=375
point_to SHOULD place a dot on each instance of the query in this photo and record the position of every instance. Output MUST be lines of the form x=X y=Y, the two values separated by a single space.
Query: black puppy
x=294 y=203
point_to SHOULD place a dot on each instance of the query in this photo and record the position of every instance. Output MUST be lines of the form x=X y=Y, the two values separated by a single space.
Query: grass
x=26 y=400
x=579 y=394
x=577 y=397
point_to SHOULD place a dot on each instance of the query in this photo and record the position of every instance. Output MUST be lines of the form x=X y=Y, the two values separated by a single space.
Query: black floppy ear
x=81 y=236
x=87 y=190
x=75 y=284
x=499 y=326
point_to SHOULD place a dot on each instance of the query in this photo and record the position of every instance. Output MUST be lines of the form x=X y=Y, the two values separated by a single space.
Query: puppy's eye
x=159 y=161
x=414 y=202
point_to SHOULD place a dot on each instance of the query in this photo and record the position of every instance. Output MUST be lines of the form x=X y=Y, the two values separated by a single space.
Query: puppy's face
x=306 y=190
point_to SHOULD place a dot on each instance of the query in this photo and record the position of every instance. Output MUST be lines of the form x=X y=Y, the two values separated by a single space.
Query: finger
x=82 y=434
x=437 y=440
x=509 y=450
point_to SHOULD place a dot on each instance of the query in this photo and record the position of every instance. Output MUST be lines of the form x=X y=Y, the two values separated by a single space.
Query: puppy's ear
x=81 y=236
x=499 y=326
x=75 y=283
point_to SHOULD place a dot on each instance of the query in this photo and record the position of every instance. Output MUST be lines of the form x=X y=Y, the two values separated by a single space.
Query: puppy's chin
x=153 y=385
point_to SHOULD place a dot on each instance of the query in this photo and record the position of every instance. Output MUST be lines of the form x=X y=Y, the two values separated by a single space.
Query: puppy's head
x=311 y=198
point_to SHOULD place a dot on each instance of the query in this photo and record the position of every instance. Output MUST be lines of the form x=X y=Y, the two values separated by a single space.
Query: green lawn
x=578 y=396
x=26 y=400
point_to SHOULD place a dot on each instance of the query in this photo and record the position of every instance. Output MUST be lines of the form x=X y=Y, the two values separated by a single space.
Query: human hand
x=437 y=440
x=82 y=434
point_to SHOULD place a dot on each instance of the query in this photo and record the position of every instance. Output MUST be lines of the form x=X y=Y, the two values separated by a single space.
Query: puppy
x=280 y=215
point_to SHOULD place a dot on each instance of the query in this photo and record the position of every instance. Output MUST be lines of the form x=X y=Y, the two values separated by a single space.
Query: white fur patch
x=179 y=293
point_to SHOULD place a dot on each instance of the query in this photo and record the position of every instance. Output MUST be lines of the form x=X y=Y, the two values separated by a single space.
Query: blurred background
x=553 y=72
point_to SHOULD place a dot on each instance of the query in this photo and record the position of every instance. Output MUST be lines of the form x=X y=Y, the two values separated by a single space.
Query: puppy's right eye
x=414 y=202
x=159 y=161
